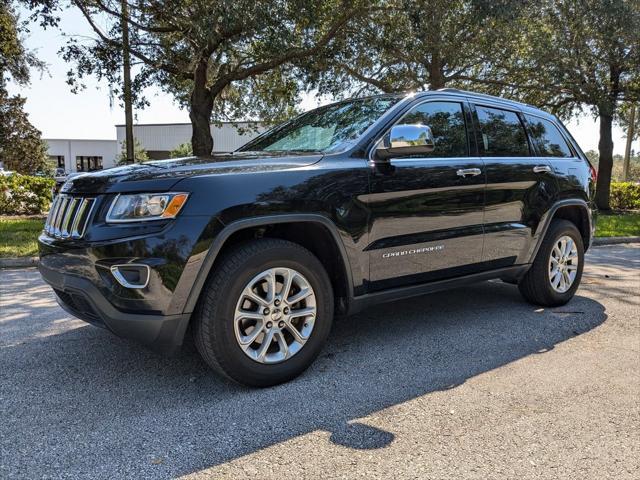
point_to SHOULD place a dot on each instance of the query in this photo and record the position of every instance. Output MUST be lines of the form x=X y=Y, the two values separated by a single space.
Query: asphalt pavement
x=469 y=383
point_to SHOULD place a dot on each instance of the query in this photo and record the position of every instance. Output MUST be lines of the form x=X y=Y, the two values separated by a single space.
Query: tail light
x=594 y=174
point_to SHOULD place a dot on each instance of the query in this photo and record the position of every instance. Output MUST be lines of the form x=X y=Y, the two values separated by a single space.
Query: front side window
x=547 y=138
x=446 y=120
x=324 y=129
x=501 y=133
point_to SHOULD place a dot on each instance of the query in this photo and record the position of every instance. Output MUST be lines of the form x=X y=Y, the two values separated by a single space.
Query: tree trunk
x=605 y=164
x=630 y=134
x=128 y=98
x=436 y=75
x=200 y=112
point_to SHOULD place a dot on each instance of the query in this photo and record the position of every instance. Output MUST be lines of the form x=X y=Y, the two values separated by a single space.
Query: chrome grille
x=69 y=216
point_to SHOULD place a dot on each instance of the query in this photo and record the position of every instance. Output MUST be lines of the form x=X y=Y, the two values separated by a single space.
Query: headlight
x=145 y=206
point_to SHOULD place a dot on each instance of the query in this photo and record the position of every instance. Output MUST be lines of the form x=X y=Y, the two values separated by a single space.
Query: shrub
x=139 y=153
x=625 y=195
x=182 y=150
x=24 y=194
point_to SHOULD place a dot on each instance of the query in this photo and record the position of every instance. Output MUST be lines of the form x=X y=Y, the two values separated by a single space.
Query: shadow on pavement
x=85 y=401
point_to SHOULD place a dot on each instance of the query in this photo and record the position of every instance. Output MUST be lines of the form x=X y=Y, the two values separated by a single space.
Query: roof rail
x=484 y=95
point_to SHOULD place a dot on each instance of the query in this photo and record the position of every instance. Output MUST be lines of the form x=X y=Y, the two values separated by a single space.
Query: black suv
x=359 y=202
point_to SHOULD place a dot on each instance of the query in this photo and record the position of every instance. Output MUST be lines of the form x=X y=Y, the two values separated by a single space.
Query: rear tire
x=556 y=271
x=241 y=329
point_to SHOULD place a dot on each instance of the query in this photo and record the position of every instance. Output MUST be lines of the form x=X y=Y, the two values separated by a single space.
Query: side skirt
x=361 y=302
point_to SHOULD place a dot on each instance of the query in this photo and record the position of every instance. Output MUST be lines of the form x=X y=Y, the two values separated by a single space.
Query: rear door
x=426 y=212
x=520 y=185
x=550 y=141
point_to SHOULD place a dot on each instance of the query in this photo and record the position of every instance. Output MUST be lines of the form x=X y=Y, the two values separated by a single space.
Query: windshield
x=323 y=129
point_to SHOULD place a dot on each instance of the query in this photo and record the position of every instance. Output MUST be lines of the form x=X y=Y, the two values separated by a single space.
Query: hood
x=161 y=175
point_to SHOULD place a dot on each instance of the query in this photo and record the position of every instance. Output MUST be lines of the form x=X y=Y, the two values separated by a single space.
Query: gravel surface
x=470 y=383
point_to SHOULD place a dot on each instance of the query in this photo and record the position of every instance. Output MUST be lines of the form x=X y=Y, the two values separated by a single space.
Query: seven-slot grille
x=68 y=216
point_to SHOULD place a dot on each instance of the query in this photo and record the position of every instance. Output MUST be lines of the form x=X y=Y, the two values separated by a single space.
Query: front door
x=426 y=212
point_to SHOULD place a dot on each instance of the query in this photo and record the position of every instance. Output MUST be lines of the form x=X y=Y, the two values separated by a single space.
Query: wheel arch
x=574 y=210
x=319 y=235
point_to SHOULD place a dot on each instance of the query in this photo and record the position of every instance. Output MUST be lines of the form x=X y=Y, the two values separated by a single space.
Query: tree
x=630 y=121
x=570 y=55
x=21 y=148
x=127 y=94
x=182 y=150
x=212 y=55
x=592 y=156
x=625 y=117
x=139 y=153
x=417 y=45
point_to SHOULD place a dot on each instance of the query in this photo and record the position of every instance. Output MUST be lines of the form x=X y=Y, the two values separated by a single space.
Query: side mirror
x=404 y=141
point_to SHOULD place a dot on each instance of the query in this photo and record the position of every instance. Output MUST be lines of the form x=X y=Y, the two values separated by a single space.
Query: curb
x=20 y=262
x=614 y=240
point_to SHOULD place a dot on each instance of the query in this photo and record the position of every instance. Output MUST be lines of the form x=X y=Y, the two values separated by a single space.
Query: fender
x=545 y=221
x=238 y=225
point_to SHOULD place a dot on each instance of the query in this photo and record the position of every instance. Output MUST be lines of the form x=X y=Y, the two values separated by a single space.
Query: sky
x=58 y=113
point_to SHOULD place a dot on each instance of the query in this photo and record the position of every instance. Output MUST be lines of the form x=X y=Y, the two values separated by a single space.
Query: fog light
x=131 y=275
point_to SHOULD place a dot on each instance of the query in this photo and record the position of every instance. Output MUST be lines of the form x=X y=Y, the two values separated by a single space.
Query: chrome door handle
x=472 y=172
x=541 y=168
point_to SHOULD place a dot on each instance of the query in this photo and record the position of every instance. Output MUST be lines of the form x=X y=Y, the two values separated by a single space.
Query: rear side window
x=547 y=138
x=446 y=120
x=501 y=133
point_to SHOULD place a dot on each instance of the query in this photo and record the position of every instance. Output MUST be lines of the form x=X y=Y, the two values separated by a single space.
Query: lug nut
x=281 y=325
x=269 y=324
x=276 y=303
x=266 y=311
x=286 y=310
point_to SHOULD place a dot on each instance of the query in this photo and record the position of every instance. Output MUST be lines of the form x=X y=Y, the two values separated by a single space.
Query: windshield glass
x=323 y=129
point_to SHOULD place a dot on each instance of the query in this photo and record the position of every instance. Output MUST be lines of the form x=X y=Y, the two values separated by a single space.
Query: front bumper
x=82 y=299
x=80 y=272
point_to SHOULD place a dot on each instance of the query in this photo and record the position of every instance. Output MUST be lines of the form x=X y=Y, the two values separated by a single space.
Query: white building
x=157 y=139
x=82 y=155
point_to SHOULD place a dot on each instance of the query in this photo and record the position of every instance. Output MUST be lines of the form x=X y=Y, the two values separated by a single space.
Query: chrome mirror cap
x=405 y=140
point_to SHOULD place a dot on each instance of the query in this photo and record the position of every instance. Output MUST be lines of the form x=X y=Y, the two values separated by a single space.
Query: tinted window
x=501 y=133
x=547 y=138
x=446 y=120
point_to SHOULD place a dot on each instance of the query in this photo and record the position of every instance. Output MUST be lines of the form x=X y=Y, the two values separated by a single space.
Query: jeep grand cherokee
x=359 y=202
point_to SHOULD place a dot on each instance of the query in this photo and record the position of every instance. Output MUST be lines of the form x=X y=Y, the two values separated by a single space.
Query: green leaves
x=21 y=148
x=24 y=195
x=139 y=153
x=226 y=60
x=181 y=151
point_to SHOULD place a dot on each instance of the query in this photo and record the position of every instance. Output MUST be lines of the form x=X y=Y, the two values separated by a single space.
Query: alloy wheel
x=275 y=315
x=563 y=264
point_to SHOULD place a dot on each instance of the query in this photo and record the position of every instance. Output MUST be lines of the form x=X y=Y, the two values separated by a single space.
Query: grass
x=620 y=224
x=18 y=235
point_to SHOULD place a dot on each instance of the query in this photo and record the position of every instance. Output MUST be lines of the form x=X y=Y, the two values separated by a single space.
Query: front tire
x=556 y=271
x=265 y=313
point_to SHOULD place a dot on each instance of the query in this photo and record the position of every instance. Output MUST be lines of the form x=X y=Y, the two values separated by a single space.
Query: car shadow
x=85 y=392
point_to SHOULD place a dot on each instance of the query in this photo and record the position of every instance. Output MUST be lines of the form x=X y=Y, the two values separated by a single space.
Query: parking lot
x=469 y=383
